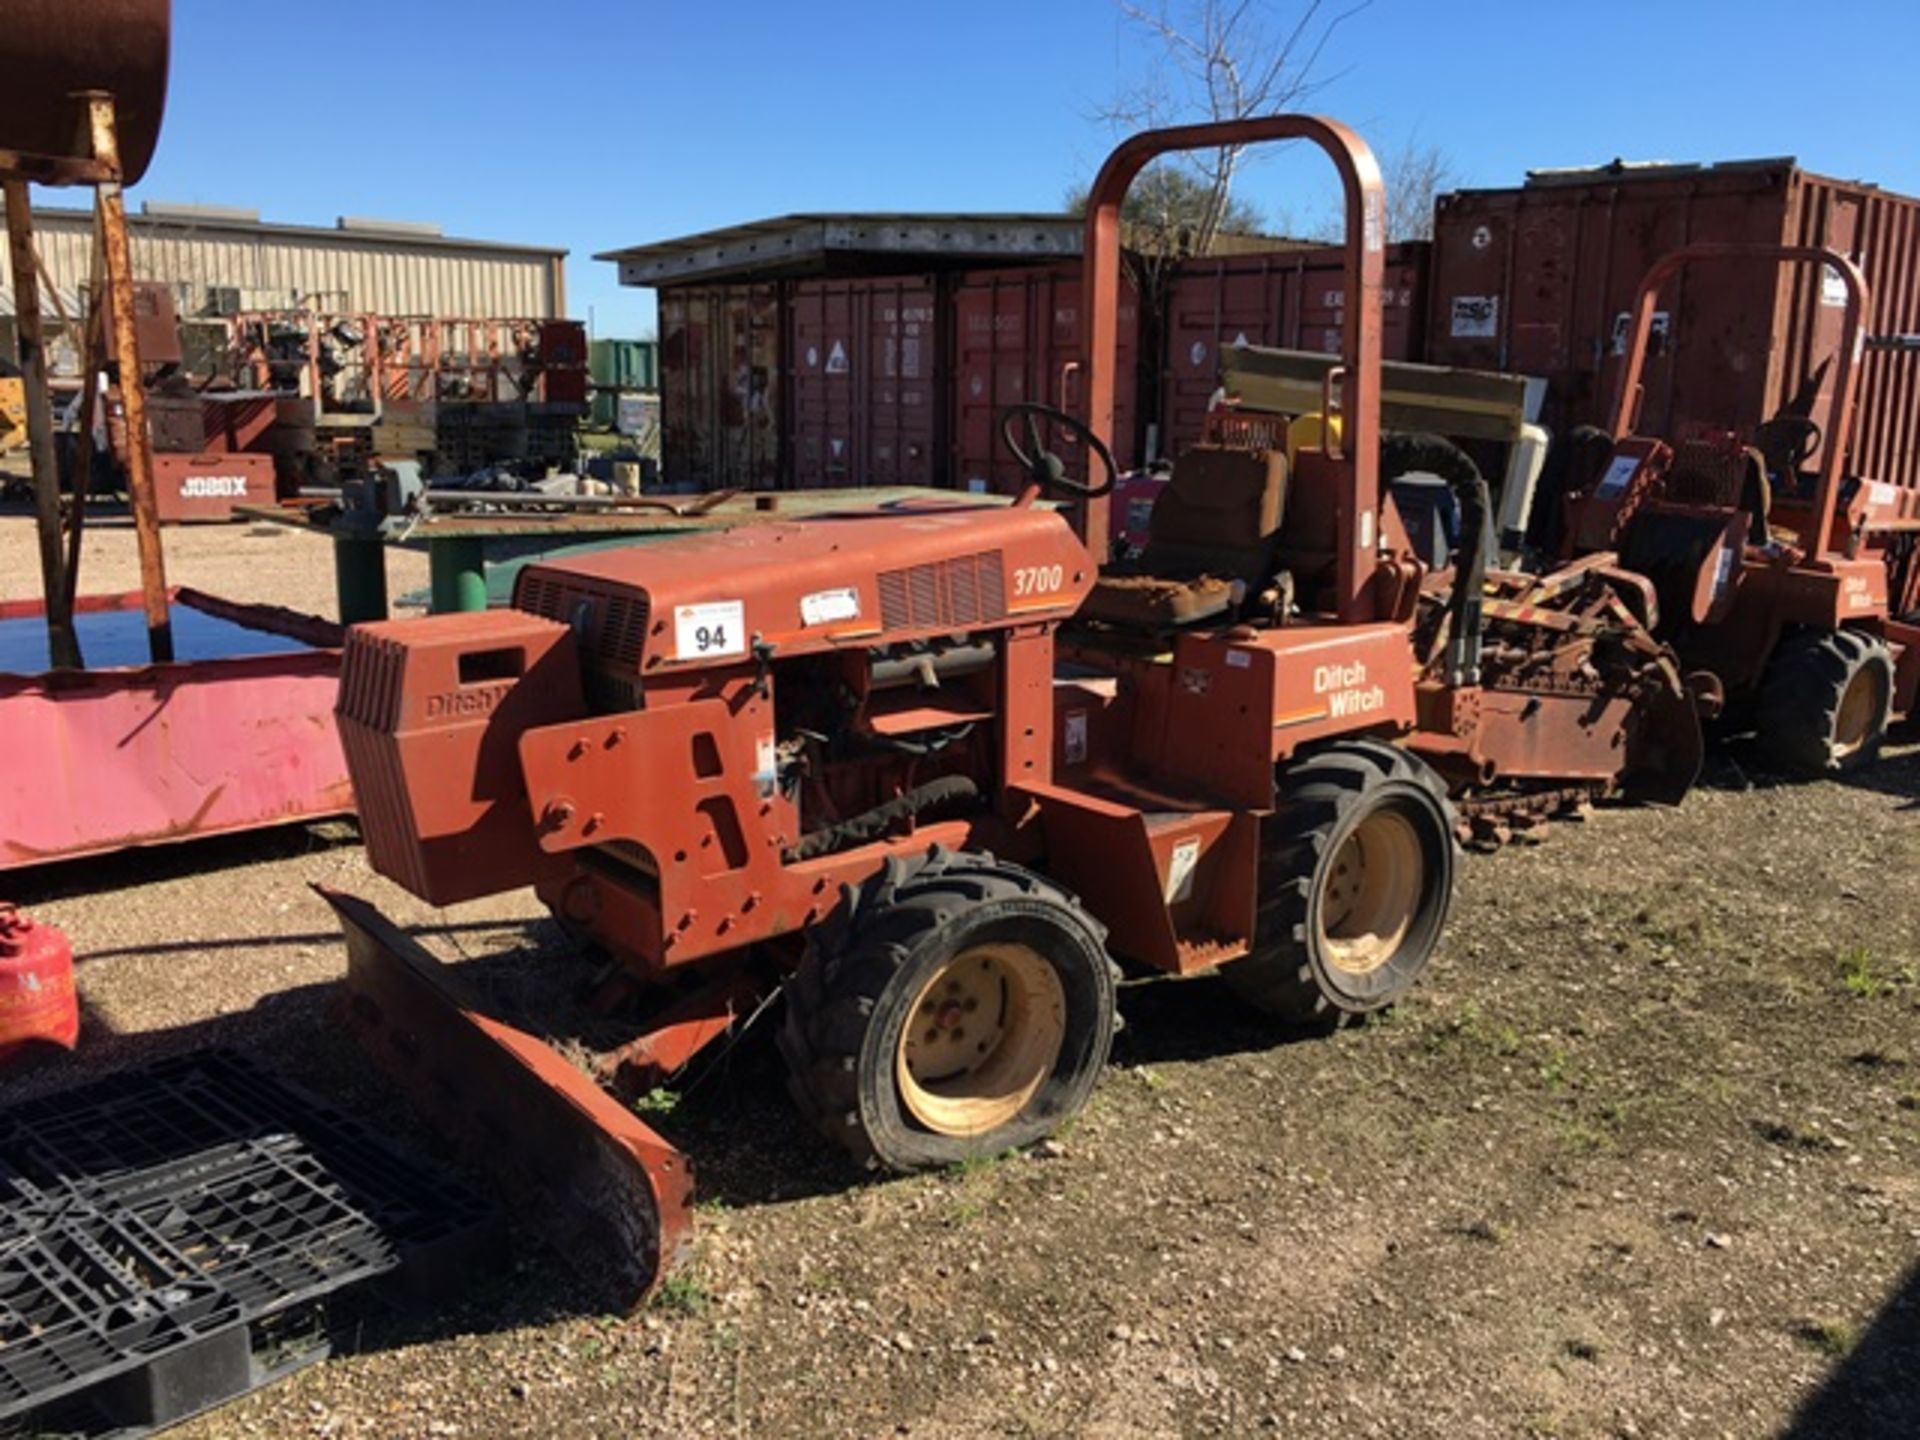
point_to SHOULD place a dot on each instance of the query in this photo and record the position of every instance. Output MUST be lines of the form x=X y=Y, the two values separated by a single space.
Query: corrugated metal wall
x=354 y=271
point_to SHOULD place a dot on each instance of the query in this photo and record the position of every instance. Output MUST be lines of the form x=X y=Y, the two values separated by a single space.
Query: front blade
x=610 y=1193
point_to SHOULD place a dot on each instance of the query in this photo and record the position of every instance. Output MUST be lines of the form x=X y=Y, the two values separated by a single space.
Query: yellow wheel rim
x=1861 y=705
x=1372 y=891
x=981 y=1039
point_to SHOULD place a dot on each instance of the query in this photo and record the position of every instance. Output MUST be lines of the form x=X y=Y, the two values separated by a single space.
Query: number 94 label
x=701 y=632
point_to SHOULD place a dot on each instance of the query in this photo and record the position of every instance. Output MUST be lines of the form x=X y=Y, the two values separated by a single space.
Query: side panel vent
x=948 y=594
x=616 y=620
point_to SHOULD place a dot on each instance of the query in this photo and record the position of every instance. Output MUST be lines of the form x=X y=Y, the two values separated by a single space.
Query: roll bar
x=1846 y=380
x=1364 y=242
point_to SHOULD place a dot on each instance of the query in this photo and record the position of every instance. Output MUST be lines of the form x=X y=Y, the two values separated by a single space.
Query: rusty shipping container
x=1016 y=337
x=866 y=377
x=720 y=368
x=1539 y=279
x=1294 y=299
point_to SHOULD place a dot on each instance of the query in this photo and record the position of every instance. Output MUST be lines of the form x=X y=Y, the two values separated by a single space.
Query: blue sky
x=593 y=124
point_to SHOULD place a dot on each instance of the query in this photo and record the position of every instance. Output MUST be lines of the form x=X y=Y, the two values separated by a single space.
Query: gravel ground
x=1640 y=1157
x=240 y=562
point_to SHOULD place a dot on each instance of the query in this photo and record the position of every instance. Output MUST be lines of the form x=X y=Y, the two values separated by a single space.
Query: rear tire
x=1826 y=702
x=953 y=1006
x=1356 y=879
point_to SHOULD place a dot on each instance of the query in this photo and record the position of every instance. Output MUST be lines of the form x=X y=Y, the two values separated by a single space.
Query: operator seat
x=1216 y=523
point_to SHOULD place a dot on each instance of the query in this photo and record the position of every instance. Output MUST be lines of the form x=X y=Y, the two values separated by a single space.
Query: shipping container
x=625 y=364
x=1287 y=299
x=619 y=369
x=866 y=382
x=1016 y=337
x=1539 y=279
x=720 y=370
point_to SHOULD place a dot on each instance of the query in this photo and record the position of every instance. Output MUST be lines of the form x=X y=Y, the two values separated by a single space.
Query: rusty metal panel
x=55 y=51
x=1289 y=299
x=1539 y=279
x=866 y=368
x=238 y=735
x=1016 y=336
x=1882 y=231
x=719 y=386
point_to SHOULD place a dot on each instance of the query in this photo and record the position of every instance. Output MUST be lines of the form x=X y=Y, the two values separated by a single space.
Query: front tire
x=1826 y=702
x=954 y=1006
x=1356 y=879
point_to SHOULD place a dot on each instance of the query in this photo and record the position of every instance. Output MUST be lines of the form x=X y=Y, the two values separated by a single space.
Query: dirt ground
x=1641 y=1157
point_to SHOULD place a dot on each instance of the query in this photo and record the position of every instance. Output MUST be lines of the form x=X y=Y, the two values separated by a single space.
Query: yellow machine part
x=13 y=413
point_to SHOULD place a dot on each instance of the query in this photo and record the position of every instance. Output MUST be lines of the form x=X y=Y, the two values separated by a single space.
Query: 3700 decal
x=1038 y=579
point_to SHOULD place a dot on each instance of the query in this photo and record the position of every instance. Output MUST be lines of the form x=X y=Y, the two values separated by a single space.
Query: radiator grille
x=615 y=631
x=947 y=594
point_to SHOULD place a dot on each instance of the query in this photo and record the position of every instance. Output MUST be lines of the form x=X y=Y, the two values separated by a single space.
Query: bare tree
x=1415 y=174
x=1225 y=60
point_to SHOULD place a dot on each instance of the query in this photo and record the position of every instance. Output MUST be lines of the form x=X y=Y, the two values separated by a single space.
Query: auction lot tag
x=701 y=632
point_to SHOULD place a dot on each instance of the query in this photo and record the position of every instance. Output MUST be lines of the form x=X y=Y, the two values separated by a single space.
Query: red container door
x=719 y=369
x=1017 y=339
x=1882 y=232
x=865 y=382
x=1289 y=299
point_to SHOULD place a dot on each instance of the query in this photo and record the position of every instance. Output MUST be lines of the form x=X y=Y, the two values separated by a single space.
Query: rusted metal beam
x=63 y=645
x=111 y=207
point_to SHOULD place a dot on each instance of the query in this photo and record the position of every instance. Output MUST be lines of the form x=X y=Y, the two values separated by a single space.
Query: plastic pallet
x=173 y=1237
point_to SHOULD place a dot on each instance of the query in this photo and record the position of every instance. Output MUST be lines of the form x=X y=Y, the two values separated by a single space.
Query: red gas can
x=37 y=1000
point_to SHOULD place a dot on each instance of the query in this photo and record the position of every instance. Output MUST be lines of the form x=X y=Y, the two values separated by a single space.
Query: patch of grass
x=1583 y=1139
x=682 y=1294
x=1553 y=1067
x=658 y=1101
x=980 y=1164
x=1832 y=1338
x=1151 y=1078
x=1859 y=973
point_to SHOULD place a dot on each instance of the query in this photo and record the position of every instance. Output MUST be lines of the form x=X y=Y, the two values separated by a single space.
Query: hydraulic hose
x=1402 y=454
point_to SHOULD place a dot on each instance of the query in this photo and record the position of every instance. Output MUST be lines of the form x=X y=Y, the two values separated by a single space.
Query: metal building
x=222 y=260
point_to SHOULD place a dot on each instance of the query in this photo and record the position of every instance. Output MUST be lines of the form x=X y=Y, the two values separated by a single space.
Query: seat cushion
x=1220 y=500
x=1155 y=603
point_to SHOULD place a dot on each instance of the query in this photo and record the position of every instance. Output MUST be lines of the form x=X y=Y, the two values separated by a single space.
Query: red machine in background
x=928 y=772
x=1797 y=589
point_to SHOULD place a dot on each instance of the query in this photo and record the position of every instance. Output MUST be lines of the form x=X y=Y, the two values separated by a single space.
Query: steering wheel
x=1043 y=467
x=1790 y=440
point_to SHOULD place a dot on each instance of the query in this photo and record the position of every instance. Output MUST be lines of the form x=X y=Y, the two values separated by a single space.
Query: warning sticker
x=1076 y=737
x=837 y=359
x=1619 y=475
x=701 y=632
x=1180 y=867
x=824 y=607
x=1475 y=317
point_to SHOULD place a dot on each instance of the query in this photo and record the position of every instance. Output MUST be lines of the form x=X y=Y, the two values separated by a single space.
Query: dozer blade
x=611 y=1194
